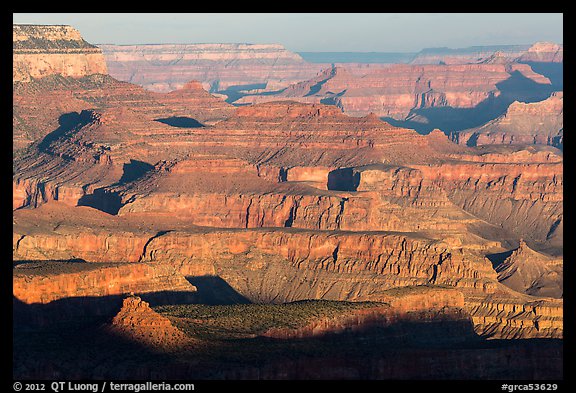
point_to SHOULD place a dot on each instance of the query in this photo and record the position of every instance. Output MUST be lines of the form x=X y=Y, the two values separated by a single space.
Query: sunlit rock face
x=181 y=199
x=167 y=67
x=43 y=50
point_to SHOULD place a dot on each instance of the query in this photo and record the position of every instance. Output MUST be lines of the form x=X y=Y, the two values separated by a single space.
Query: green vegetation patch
x=223 y=322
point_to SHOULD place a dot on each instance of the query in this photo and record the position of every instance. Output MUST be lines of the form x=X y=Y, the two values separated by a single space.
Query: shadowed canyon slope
x=449 y=89
x=189 y=202
x=523 y=123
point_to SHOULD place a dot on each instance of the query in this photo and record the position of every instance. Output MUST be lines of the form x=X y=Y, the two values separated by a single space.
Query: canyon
x=523 y=123
x=449 y=89
x=135 y=210
x=219 y=67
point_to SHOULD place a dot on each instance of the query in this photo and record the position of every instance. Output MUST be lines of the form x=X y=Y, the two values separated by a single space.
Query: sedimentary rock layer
x=544 y=52
x=396 y=90
x=52 y=105
x=523 y=123
x=218 y=67
x=37 y=282
x=136 y=321
x=283 y=265
x=43 y=50
x=473 y=54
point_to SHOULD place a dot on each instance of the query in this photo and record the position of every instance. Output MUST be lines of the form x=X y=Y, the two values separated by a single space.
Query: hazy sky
x=314 y=32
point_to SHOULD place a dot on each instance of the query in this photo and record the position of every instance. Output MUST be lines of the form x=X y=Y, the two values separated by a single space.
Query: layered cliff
x=523 y=123
x=537 y=52
x=218 y=67
x=51 y=105
x=36 y=282
x=44 y=50
x=397 y=90
x=360 y=230
x=57 y=73
x=544 y=52
x=505 y=316
x=473 y=54
x=268 y=265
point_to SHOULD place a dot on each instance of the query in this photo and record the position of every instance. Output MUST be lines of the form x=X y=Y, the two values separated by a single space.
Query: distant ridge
x=357 y=57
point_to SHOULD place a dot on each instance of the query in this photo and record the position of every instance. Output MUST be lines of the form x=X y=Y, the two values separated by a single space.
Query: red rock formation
x=523 y=123
x=46 y=92
x=138 y=322
x=282 y=200
x=45 y=283
x=101 y=143
x=507 y=317
x=167 y=67
x=39 y=106
x=395 y=90
x=44 y=50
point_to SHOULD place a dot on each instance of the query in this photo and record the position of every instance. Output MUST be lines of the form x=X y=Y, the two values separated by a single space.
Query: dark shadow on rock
x=214 y=290
x=343 y=179
x=473 y=140
x=40 y=262
x=498 y=258
x=316 y=88
x=448 y=119
x=69 y=122
x=236 y=92
x=102 y=199
x=77 y=346
x=134 y=170
x=88 y=308
x=333 y=100
x=180 y=122
x=552 y=71
x=420 y=128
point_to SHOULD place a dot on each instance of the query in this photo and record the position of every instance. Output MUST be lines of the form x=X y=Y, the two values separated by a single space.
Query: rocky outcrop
x=44 y=50
x=35 y=282
x=218 y=67
x=138 y=322
x=523 y=123
x=57 y=75
x=544 y=52
x=499 y=318
x=110 y=146
x=531 y=272
x=49 y=105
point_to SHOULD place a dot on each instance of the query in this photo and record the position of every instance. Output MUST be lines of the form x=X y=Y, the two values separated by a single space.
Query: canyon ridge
x=177 y=204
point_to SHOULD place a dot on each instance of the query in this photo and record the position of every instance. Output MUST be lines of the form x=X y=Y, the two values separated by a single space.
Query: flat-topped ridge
x=48 y=38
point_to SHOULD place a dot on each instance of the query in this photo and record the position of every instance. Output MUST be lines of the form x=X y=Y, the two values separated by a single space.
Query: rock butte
x=523 y=123
x=40 y=51
x=137 y=321
x=136 y=191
